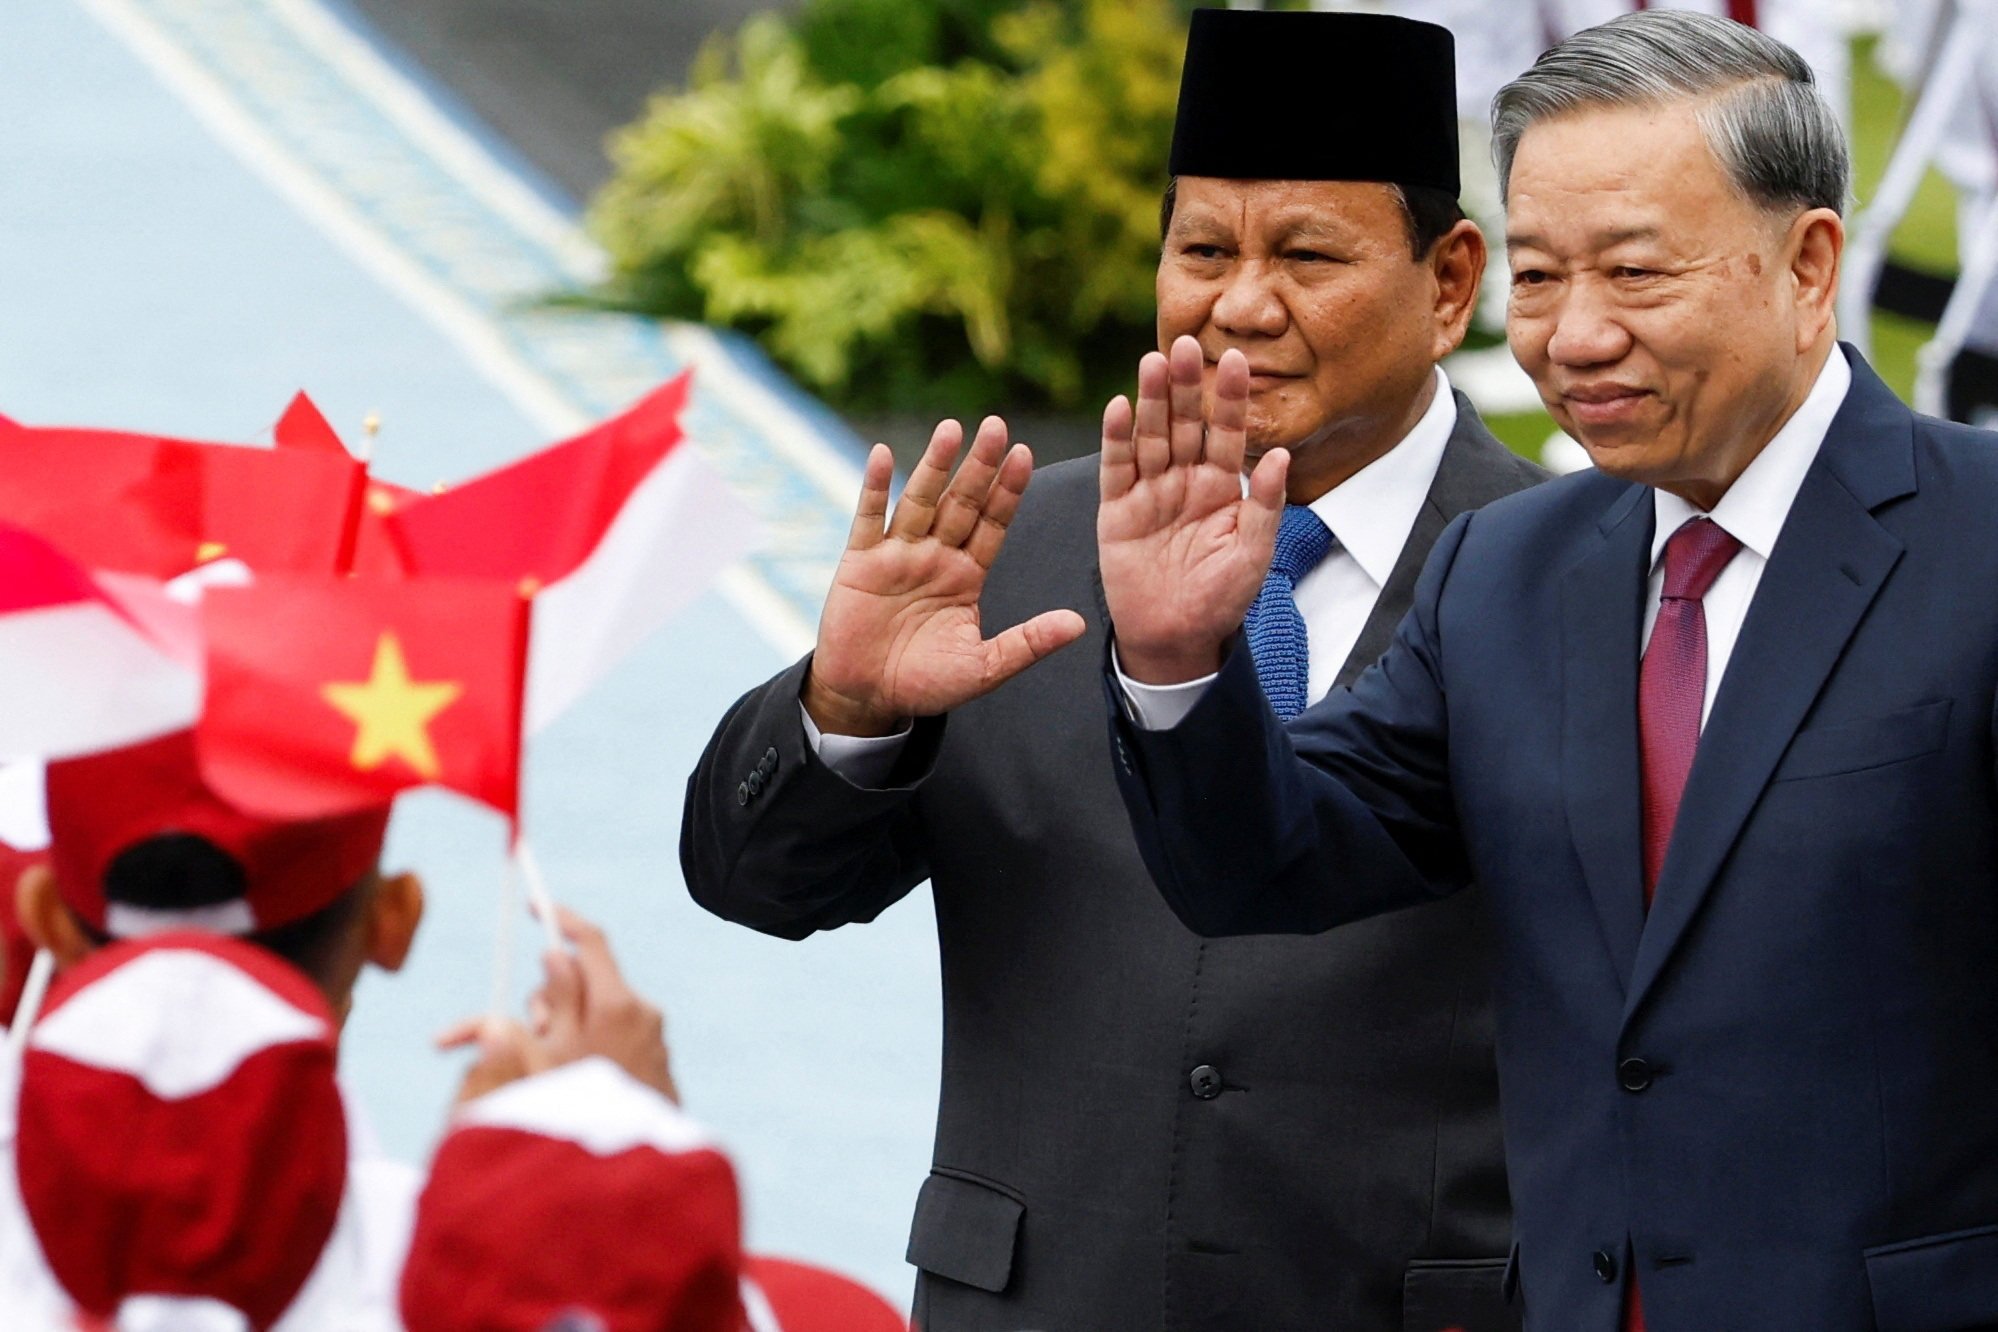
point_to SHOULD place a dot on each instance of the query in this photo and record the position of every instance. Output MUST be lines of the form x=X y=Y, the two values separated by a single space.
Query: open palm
x=1183 y=550
x=900 y=635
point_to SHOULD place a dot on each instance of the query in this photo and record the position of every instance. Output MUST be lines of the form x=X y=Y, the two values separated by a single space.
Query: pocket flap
x=1463 y=1293
x=1829 y=748
x=1937 y=1284
x=965 y=1230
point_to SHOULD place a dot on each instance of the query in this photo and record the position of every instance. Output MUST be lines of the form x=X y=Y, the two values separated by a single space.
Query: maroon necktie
x=1671 y=690
x=1672 y=684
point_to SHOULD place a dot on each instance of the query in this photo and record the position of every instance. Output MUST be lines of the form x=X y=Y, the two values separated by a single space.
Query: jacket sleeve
x=774 y=839
x=1249 y=827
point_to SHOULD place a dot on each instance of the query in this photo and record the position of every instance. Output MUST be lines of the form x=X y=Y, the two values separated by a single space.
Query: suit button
x=1605 y=1263
x=1206 y=1082
x=1633 y=1075
x=768 y=763
x=755 y=783
x=742 y=794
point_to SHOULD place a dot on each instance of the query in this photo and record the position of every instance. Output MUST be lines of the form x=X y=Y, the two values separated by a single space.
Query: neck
x=1704 y=493
x=1327 y=459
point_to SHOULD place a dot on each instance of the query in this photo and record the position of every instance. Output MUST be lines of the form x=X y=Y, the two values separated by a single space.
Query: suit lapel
x=1602 y=602
x=1828 y=565
x=1475 y=470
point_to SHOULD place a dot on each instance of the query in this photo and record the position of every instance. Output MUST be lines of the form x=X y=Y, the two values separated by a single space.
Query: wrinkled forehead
x=1267 y=208
x=1597 y=177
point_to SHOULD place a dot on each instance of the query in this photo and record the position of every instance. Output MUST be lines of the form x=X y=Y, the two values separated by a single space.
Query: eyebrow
x=1617 y=237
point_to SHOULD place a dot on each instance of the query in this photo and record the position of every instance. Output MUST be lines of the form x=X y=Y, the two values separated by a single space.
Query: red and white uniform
x=581 y=1200
x=178 y=1154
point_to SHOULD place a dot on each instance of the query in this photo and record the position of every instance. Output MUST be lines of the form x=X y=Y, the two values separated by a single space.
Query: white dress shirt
x=1369 y=515
x=1752 y=511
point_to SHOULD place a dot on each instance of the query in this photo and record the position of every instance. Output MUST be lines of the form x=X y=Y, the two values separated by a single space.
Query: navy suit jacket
x=1775 y=1098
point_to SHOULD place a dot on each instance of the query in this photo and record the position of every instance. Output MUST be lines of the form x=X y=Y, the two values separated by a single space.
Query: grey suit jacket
x=1139 y=1129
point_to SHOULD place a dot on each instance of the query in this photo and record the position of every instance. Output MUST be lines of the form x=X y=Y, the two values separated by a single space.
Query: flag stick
x=538 y=899
x=370 y=427
x=30 y=1007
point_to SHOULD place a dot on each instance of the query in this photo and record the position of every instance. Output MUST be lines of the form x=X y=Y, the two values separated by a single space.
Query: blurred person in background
x=139 y=845
x=1139 y=1130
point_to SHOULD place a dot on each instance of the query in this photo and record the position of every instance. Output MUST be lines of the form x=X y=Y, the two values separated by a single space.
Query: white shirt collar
x=1371 y=511
x=1754 y=508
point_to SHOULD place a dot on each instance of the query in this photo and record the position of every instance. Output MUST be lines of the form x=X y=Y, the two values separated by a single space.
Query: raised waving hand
x=900 y=636
x=1183 y=550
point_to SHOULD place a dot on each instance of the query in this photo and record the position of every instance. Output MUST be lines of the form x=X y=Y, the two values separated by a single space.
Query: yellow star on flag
x=392 y=711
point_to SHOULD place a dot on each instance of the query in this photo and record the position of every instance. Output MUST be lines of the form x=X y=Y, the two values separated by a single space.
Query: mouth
x=1603 y=404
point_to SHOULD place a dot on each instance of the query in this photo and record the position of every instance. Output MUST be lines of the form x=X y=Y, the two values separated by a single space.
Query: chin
x=1625 y=462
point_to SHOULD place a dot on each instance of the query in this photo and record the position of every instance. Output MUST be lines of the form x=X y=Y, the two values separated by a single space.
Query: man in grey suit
x=1140 y=1129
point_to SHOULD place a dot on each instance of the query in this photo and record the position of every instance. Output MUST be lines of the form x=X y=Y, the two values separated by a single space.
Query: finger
x=1228 y=422
x=1150 y=436
x=1189 y=414
x=1024 y=644
x=1263 y=509
x=871 y=514
x=918 y=506
x=598 y=968
x=566 y=993
x=461 y=1034
x=989 y=536
x=1119 y=469
x=958 y=512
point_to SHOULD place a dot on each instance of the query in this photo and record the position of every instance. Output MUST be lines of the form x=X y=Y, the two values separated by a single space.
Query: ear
x=1457 y=262
x=1816 y=247
x=45 y=920
x=394 y=911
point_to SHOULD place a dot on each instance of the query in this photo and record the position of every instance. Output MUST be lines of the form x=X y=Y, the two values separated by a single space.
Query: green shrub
x=913 y=206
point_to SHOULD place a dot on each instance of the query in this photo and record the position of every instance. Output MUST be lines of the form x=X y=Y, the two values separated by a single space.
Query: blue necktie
x=1274 y=625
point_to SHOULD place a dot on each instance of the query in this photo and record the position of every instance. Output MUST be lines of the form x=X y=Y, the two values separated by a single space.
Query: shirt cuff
x=1159 y=707
x=865 y=761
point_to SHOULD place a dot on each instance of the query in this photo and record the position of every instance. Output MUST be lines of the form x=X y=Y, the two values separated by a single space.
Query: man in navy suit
x=1712 y=725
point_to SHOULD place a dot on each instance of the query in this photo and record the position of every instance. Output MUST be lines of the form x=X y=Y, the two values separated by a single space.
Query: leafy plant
x=912 y=205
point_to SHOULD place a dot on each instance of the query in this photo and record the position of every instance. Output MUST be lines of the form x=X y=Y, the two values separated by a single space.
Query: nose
x=1249 y=306
x=1587 y=330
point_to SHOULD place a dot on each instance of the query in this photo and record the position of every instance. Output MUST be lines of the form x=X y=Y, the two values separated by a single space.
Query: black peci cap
x=1302 y=95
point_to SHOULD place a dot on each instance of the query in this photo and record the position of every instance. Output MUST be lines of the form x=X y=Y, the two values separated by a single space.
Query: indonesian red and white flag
x=610 y=533
x=152 y=505
x=88 y=660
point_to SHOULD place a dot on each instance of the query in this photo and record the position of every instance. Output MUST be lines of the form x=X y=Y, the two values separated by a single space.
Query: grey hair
x=1764 y=118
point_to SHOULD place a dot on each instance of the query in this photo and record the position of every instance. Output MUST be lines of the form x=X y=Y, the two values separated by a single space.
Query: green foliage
x=913 y=205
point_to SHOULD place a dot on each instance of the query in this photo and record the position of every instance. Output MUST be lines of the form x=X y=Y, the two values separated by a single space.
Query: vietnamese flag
x=329 y=695
x=609 y=532
x=157 y=506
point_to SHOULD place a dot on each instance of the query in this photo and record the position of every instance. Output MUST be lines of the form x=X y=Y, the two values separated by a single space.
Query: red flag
x=304 y=426
x=333 y=694
x=376 y=553
x=157 y=506
x=535 y=520
x=610 y=532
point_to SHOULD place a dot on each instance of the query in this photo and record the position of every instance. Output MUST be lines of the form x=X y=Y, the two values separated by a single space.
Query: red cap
x=101 y=805
x=798 y=1297
x=578 y=1200
x=181 y=1138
